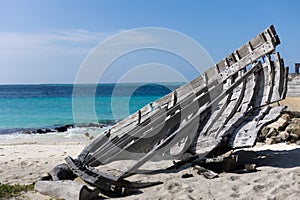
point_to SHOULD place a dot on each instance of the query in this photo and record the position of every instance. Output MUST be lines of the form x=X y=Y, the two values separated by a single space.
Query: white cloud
x=44 y=57
x=62 y=42
x=57 y=55
x=67 y=42
x=53 y=56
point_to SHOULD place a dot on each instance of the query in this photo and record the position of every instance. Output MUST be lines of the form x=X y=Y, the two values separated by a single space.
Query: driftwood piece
x=68 y=190
x=205 y=172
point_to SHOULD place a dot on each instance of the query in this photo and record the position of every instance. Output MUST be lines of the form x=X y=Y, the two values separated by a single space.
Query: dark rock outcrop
x=62 y=128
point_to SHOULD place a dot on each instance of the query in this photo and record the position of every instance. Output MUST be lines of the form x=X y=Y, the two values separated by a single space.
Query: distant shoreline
x=90 y=84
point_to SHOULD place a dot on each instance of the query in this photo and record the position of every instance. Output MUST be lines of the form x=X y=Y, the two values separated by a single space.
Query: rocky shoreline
x=285 y=129
x=54 y=129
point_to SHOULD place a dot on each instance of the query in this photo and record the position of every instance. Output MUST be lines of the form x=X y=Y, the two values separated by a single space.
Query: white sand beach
x=27 y=158
x=277 y=176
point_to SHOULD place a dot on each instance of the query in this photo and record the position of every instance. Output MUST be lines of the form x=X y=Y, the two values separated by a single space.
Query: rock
x=62 y=172
x=64 y=128
x=205 y=172
x=28 y=132
x=283 y=136
x=294 y=114
x=45 y=177
x=272 y=132
x=61 y=129
x=187 y=175
x=89 y=136
x=251 y=167
x=69 y=126
x=281 y=123
x=295 y=121
x=264 y=131
x=41 y=131
x=270 y=141
x=294 y=137
x=294 y=126
x=276 y=139
x=263 y=134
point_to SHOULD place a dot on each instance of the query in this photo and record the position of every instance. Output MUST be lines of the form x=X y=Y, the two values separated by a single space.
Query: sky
x=51 y=41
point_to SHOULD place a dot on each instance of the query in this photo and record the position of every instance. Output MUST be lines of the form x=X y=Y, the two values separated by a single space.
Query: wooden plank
x=270 y=82
x=231 y=59
x=247 y=135
x=217 y=113
x=262 y=90
x=243 y=51
x=235 y=119
x=212 y=74
x=162 y=101
x=257 y=41
x=285 y=77
x=244 y=62
x=278 y=78
x=221 y=66
x=229 y=111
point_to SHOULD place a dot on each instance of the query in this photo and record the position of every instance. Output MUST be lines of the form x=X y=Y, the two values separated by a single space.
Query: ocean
x=27 y=108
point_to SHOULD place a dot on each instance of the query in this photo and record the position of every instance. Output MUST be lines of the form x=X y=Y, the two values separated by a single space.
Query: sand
x=25 y=159
x=25 y=163
x=278 y=175
x=292 y=103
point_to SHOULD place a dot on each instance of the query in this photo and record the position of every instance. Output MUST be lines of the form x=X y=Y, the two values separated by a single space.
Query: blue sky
x=43 y=41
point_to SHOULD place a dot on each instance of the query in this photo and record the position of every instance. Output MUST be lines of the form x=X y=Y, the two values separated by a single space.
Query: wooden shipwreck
x=225 y=107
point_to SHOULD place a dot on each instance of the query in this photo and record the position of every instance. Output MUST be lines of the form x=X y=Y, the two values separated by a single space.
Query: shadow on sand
x=271 y=158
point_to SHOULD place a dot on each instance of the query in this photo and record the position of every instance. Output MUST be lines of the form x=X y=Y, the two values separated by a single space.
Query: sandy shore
x=278 y=175
x=291 y=102
x=25 y=163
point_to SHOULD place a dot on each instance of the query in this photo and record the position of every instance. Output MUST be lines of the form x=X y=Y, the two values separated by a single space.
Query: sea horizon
x=105 y=83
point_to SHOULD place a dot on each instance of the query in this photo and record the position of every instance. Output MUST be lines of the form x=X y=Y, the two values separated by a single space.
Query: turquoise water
x=43 y=106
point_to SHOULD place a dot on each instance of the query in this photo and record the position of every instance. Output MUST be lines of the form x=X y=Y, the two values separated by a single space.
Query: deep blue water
x=41 y=106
